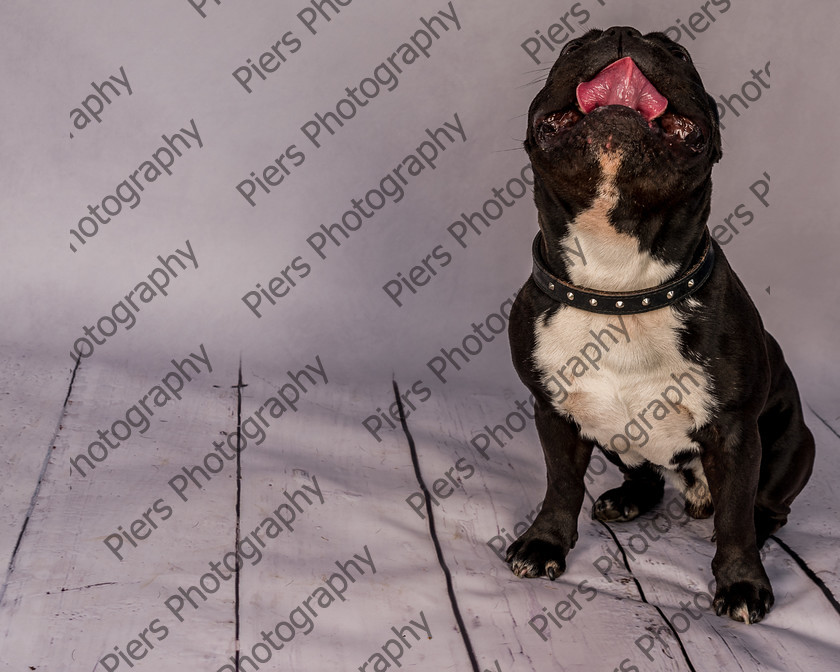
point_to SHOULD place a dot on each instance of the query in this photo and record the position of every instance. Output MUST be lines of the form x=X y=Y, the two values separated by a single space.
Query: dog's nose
x=622 y=31
x=621 y=34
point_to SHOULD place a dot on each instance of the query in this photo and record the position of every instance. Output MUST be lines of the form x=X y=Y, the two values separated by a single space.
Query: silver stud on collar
x=645 y=302
x=670 y=295
x=570 y=296
x=619 y=304
x=551 y=286
x=691 y=283
x=593 y=302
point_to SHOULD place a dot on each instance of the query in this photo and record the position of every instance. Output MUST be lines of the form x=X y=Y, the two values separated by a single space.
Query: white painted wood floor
x=630 y=600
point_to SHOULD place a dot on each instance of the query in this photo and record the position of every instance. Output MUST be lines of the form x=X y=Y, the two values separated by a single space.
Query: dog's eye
x=570 y=47
x=680 y=53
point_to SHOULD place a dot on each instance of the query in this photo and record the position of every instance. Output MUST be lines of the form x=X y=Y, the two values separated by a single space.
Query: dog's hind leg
x=787 y=448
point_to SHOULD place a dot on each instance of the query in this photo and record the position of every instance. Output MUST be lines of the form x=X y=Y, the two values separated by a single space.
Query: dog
x=622 y=140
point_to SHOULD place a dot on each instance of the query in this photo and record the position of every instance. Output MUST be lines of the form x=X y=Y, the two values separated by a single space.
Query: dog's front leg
x=542 y=549
x=731 y=463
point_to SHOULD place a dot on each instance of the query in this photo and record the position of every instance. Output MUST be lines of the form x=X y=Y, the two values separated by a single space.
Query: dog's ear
x=717 y=150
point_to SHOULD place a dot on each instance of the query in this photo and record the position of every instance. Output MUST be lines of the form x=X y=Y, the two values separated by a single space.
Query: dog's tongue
x=621 y=83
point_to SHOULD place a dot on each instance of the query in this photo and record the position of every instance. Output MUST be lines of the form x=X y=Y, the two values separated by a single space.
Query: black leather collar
x=624 y=303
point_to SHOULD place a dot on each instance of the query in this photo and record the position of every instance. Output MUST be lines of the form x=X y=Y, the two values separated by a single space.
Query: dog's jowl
x=622 y=140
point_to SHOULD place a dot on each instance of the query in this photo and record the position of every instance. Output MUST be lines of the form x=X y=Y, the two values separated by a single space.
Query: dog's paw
x=615 y=506
x=533 y=557
x=637 y=495
x=699 y=510
x=744 y=601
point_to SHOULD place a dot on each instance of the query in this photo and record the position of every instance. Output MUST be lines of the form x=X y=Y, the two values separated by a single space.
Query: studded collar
x=624 y=303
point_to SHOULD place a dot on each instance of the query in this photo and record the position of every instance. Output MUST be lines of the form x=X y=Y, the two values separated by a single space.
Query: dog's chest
x=624 y=381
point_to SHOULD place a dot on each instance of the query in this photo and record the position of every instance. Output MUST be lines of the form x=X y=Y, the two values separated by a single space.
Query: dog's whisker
x=536 y=81
x=528 y=72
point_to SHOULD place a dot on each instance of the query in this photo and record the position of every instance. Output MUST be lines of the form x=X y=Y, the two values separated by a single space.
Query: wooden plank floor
x=337 y=569
x=33 y=398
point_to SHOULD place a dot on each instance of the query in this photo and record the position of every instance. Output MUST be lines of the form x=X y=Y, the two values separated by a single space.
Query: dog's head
x=627 y=109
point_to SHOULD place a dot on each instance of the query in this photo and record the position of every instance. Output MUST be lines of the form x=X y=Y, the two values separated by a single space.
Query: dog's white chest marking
x=622 y=379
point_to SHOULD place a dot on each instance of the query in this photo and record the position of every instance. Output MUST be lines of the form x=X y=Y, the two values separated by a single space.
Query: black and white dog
x=622 y=140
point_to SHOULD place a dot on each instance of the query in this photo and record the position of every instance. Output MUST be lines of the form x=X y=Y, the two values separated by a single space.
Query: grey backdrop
x=180 y=66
